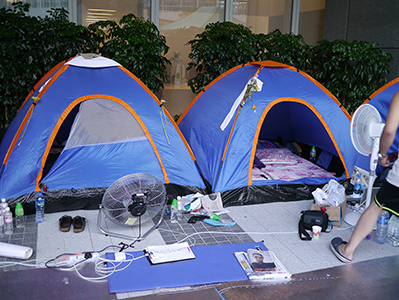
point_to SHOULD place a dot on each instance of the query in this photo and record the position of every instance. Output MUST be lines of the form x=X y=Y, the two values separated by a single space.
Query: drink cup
x=316 y=230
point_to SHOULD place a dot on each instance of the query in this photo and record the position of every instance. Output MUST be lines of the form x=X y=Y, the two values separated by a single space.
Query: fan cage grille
x=130 y=193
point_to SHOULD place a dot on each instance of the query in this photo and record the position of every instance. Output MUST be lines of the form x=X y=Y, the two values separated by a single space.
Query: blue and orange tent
x=87 y=123
x=223 y=131
x=381 y=100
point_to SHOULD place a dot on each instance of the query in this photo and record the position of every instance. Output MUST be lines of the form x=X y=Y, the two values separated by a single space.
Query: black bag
x=310 y=218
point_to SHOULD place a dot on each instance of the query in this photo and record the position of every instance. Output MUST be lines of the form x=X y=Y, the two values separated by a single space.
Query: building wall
x=365 y=20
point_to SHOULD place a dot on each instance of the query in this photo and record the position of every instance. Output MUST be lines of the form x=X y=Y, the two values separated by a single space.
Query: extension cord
x=72 y=260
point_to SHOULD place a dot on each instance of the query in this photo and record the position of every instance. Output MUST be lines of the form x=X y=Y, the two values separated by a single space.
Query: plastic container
x=174 y=211
x=40 y=201
x=357 y=189
x=3 y=206
x=180 y=207
x=8 y=221
x=382 y=228
x=312 y=156
x=19 y=216
x=393 y=230
x=2 y=229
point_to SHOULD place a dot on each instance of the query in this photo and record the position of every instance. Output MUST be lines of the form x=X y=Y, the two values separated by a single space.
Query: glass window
x=179 y=22
x=263 y=16
x=311 y=20
x=99 y=10
x=39 y=8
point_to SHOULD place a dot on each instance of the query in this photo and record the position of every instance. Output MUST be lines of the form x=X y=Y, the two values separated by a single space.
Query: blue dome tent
x=226 y=121
x=381 y=100
x=87 y=123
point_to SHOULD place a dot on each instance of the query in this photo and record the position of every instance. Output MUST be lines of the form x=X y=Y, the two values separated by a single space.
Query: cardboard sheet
x=212 y=264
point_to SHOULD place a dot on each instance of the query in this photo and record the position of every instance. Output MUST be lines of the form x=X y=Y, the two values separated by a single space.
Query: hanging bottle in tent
x=312 y=156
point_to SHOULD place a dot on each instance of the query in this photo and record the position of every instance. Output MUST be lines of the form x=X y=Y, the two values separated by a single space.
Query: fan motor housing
x=138 y=206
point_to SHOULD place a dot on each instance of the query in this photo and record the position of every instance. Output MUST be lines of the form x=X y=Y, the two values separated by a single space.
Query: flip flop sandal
x=79 y=224
x=65 y=223
x=335 y=242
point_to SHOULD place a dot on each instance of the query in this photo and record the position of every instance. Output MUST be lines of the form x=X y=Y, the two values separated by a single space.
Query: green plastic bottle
x=19 y=216
x=174 y=210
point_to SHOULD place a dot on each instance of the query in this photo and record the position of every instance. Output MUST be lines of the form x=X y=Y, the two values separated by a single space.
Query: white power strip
x=72 y=260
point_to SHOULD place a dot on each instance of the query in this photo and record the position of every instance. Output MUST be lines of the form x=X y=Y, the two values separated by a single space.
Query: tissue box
x=335 y=214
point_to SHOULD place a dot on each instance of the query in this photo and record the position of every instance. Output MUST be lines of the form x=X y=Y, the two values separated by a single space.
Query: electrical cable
x=108 y=271
x=63 y=265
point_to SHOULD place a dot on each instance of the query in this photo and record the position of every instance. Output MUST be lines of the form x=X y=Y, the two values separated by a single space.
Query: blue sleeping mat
x=212 y=264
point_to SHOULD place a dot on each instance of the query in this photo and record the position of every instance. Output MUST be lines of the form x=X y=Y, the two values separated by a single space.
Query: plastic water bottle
x=312 y=155
x=39 y=208
x=8 y=221
x=393 y=230
x=174 y=211
x=19 y=216
x=357 y=189
x=2 y=229
x=382 y=228
x=3 y=206
x=180 y=208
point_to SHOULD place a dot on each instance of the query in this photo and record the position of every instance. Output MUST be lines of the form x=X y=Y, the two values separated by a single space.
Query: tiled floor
x=274 y=223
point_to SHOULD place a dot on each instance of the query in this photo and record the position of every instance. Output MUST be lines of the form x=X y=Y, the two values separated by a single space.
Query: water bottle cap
x=7 y=208
x=174 y=202
x=18 y=206
x=39 y=194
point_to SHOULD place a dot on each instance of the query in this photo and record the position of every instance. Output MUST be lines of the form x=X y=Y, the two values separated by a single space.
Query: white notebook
x=169 y=253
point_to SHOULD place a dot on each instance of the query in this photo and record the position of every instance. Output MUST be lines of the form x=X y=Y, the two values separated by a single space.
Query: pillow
x=276 y=156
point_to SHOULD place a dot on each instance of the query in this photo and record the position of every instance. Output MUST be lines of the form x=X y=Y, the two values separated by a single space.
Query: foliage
x=136 y=44
x=32 y=46
x=351 y=71
x=289 y=49
x=220 y=47
x=29 y=48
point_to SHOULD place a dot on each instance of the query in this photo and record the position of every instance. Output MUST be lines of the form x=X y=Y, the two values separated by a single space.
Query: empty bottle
x=39 y=208
x=312 y=156
x=180 y=208
x=3 y=206
x=174 y=211
x=393 y=230
x=2 y=229
x=19 y=216
x=357 y=188
x=8 y=221
x=382 y=228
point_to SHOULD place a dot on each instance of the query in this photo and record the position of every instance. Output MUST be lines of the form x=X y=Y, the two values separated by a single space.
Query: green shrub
x=351 y=71
x=29 y=48
x=136 y=44
x=220 y=47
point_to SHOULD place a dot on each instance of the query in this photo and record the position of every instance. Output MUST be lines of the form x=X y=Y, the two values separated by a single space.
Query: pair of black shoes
x=78 y=223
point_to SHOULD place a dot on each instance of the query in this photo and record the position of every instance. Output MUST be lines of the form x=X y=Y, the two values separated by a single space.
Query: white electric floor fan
x=366 y=129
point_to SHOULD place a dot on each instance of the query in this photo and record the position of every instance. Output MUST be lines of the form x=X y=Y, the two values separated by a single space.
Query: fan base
x=100 y=223
x=351 y=217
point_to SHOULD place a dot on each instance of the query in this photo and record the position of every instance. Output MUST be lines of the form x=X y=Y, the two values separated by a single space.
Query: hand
x=385 y=161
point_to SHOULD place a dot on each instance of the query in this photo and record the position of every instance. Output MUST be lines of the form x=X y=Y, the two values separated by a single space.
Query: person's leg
x=364 y=226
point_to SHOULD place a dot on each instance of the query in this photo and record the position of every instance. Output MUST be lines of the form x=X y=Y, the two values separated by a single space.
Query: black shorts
x=388 y=197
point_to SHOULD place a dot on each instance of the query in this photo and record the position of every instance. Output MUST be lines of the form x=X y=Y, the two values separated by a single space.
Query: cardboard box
x=335 y=214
